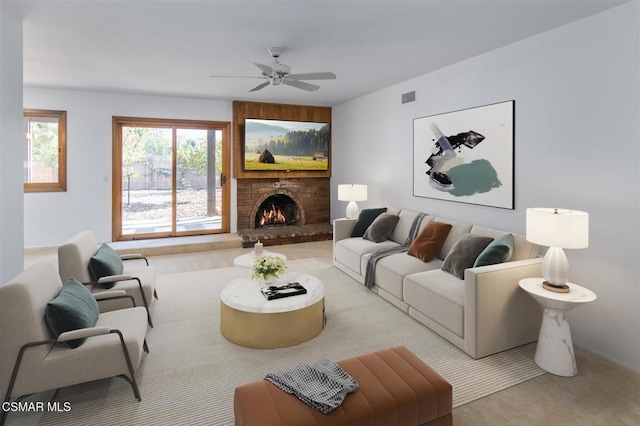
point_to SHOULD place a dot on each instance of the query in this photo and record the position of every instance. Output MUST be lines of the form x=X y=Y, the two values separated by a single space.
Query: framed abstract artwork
x=466 y=156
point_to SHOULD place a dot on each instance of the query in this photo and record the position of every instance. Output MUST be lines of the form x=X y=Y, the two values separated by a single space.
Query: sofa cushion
x=498 y=251
x=104 y=263
x=464 y=253
x=391 y=270
x=401 y=231
x=366 y=217
x=73 y=308
x=349 y=251
x=457 y=230
x=439 y=296
x=381 y=228
x=430 y=240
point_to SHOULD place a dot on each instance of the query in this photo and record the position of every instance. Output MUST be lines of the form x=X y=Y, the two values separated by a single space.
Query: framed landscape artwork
x=466 y=156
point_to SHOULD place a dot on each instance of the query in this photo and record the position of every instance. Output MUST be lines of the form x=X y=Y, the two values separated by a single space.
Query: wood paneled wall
x=243 y=110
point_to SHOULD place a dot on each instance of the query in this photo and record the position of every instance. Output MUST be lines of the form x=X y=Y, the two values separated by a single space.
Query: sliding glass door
x=169 y=178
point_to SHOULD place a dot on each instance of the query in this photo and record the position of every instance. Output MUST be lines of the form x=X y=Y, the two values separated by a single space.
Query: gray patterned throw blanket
x=322 y=385
x=369 y=275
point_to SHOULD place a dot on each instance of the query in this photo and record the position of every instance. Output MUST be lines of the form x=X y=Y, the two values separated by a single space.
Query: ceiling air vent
x=408 y=97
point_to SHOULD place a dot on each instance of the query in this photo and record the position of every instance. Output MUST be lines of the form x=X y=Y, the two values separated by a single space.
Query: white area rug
x=191 y=372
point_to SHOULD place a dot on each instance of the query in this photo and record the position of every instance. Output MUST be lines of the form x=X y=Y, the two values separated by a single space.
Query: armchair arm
x=114 y=295
x=109 y=294
x=132 y=256
x=342 y=229
x=498 y=314
x=114 y=278
x=69 y=335
x=83 y=333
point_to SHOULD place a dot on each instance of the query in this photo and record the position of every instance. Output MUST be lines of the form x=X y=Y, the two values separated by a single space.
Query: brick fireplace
x=283 y=211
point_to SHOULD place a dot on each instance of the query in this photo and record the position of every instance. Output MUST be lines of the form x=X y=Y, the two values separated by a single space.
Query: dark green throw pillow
x=73 y=308
x=366 y=217
x=104 y=263
x=464 y=253
x=498 y=251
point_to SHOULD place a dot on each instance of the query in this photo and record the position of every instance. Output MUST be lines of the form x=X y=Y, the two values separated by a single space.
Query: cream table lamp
x=352 y=193
x=557 y=229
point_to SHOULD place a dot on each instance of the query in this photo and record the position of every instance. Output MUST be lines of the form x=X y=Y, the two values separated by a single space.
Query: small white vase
x=267 y=281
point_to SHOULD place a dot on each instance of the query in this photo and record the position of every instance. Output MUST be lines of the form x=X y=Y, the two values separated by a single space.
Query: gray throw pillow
x=365 y=219
x=499 y=251
x=464 y=253
x=381 y=228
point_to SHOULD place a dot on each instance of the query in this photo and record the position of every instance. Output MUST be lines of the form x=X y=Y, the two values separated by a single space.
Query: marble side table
x=554 y=352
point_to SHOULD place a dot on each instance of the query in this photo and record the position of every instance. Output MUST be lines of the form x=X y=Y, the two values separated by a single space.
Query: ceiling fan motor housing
x=277 y=74
x=276 y=52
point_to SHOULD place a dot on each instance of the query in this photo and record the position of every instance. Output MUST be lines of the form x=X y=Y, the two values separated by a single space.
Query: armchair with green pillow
x=54 y=336
x=101 y=268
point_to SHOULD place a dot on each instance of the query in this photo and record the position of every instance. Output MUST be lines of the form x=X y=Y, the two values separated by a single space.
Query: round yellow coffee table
x=248 y=319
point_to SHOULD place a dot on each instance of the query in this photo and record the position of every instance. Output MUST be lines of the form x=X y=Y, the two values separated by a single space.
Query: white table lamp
x=352 y=193
x=557 y=229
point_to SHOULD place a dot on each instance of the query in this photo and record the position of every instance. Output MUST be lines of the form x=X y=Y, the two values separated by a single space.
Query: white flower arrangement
x=267 y=267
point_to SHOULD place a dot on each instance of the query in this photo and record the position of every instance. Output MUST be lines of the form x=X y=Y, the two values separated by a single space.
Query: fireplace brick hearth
x=311 y=196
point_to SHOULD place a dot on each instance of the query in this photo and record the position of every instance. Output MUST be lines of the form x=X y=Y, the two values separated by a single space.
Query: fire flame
x=272 y=217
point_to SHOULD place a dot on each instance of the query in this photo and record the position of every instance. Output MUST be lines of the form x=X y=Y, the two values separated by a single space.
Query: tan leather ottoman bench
x=396 y=388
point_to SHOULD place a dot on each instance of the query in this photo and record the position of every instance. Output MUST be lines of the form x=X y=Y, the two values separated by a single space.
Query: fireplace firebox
x=277 y=210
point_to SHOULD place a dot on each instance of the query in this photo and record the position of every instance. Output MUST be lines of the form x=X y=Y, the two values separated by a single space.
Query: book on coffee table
x=287 y=290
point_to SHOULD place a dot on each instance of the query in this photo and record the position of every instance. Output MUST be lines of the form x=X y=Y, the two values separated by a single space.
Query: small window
x=45 y=152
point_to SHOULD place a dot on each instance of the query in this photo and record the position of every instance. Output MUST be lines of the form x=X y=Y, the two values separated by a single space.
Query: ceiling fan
x=278 y=73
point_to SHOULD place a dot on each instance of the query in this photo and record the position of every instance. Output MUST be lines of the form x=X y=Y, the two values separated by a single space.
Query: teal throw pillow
x=464 y=253
x=73 y=308
x=498 y=251
x=104 y=263
x=365 y=219
x=381 y=228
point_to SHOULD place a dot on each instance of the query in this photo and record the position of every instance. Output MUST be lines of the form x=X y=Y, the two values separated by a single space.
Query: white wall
x=576 y=146
x=11 y=186
x=52 y=218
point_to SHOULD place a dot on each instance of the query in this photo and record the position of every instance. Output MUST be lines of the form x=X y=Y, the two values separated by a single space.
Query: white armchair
x=73 y=262
x=33 y=360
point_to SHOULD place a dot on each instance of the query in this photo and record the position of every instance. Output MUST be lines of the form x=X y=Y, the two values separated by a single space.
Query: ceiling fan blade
x=260 y=86
x=313 y=76
x=301 y=85
x=237 y=76
x=266 y=70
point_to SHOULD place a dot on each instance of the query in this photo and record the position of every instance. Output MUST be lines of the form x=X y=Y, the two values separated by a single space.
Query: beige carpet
x=191 y=372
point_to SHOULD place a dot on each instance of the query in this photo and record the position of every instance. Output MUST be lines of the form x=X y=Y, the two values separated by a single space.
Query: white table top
x=576 y=295
x=244 y=294
x=246 y=260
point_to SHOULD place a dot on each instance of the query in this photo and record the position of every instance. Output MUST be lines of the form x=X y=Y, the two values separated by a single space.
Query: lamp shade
x=561 y=228
x=352 y=192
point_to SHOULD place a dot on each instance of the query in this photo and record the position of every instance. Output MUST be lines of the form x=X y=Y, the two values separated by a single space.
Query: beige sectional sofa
x=483 y=314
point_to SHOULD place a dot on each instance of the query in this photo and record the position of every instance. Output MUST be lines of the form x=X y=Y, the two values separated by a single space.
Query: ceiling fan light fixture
x=278 y=73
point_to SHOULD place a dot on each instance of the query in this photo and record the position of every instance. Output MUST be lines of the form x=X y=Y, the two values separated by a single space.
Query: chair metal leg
x=145 y=347
x=155 y=294
x=132 y=379
x=14 y=374
x=144 y=300
x=3 y=413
